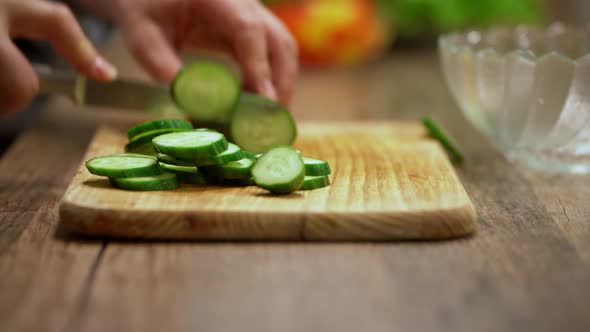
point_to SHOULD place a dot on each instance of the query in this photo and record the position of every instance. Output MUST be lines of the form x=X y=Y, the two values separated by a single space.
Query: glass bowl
x=527 y=89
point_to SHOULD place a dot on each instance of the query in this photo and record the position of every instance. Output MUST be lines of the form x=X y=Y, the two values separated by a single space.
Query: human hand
x=41 y=20
x=266 y=52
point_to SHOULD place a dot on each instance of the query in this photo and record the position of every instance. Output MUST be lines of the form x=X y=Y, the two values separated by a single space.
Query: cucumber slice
x=239 y=182
x=165 y=181
x=191 y=145
x=186 y=174
x=232 y=153
x=249 y=155
x=138 y=155
x=166 y=159
x=259 y=123
x=146 y=149
x=178 y=169
x=316 y=167
x=197 y=178
x=315 y=182
x=207 y=91
x=240 y=169
x=437 y=133
x=280 y=170
x=156 y=125
x=119 y=166
x=140 y=140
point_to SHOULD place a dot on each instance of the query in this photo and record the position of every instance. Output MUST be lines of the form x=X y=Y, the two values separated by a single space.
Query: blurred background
x=352 y=32
x=336 y=34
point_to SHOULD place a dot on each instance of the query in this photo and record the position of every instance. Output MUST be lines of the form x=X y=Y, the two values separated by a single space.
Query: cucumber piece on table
x=207 y=91
x=315 y=182
x=437 y=133
x=123 y=166
x=240 y=169
x=140 y=142
x=166 y=159
x=259 y=123
x=164 y=181
x=316 y=167
x=190 y=145
x=280 y=170
x=156 y=125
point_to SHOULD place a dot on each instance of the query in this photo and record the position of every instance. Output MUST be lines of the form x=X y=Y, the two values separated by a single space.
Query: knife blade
x=119 y=94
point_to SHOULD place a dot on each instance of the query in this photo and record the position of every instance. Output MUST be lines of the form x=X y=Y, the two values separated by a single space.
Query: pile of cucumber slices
x=164 y=154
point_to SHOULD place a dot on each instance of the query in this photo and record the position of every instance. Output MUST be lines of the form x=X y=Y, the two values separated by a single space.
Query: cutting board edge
x=435 y=224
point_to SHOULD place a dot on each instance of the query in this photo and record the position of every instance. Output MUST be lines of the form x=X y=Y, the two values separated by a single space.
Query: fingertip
x=268 y=90
x=103 y=70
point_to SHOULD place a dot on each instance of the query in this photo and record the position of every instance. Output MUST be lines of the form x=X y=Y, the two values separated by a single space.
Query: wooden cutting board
x=389 y=182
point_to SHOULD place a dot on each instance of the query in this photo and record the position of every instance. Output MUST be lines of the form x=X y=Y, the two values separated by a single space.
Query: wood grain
x=385 y=186
x=42 y=279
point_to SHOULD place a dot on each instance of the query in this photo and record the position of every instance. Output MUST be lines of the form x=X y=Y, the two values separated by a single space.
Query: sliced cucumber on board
x=178 y=169
x=164 y=181
x=232 y=153
x=259 y=123
x=315 y=182
x=142 y=141
x=280 y=170
x=207 y=91
x=316 y=167
x=156 y=125
x=123 y=166
x=240 y=169
x=166 y=159
x=190 y=145
x=127 y=154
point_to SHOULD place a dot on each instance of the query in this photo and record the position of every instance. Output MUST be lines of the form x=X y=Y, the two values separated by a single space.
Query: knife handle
x=52 y=81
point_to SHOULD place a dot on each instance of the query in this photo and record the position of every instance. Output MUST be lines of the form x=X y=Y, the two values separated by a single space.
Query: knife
x=121 y=94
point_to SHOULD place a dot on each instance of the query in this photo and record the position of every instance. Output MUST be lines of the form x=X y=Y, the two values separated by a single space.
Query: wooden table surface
x=526 y=269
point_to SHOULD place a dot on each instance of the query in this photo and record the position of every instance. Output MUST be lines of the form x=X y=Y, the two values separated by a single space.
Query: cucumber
x=249 y=155
x=438 y=134
x=259 y=123
x=146 y=149
x=316 y=167
x=123 y=166
x=207 y=91
x=191 y=145
x=164 y=181
x=232 y=153
x=238 y=182
x=166 y=159
x=315 y=182
x=186 y=174
x=178 y=169
x=140 y=141
x=138 y=155
x=280 y=170
x=240 y=169
x=196 y=178
x=158 y=124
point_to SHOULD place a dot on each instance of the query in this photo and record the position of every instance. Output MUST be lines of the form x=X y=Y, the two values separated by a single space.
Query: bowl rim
x=459 y=41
